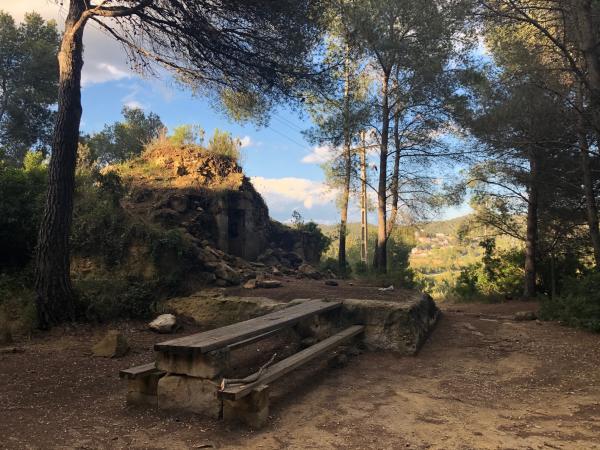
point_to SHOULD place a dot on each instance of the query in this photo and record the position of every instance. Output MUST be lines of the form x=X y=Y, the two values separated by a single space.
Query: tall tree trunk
x=55 y=297
x=588 y=38
x=588 y=181
x=532 y=228
x=381 y=248
x=364 y=227
x=395 y=176
x=347 y=168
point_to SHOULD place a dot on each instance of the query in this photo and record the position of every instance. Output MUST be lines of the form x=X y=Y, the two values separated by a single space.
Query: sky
x=282 y=165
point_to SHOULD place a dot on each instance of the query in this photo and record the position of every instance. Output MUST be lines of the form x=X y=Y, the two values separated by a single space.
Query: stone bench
x=142 y=384
x=188 y=371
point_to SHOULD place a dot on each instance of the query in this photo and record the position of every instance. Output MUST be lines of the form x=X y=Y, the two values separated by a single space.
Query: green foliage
x=312 y=229
x=122 y=140
x=332 y=265
x=222 y=143
x=579 y=306
x=499 y=275
x=17 y=302
x=21 y=200
x=111 y=298
x=187 y=134
x=100 y=226
x=29 y=84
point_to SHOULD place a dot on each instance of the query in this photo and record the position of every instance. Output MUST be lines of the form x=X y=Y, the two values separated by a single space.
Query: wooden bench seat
x=281 y=368
x=139 y=371
x=222 y=337
x=142 y=384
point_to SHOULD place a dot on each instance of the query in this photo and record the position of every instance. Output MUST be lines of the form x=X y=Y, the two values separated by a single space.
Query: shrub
x=332 y=264
x=21 y=203
x=361 y=268
x=222 y=143
x=579 y=306
x=104 y=299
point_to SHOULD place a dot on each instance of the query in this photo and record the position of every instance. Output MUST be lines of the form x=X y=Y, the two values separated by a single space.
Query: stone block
x=401 y=326
x=142 y=390
x=183 y=393
x=208 y=365
x=253 y=409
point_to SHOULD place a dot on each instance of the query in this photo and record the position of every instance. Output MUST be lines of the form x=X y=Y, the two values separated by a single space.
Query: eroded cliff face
x=207 y=198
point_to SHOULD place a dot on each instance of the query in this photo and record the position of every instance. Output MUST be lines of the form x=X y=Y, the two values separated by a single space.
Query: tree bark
x=55 y=296
x=380 y=262
x=347 y=170
x=364 y=227
x=532 y=228
x=588 y=181
x=395 y=176
x=588 y=37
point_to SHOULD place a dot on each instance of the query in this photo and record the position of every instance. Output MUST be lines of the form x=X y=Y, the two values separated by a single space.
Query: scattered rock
x=226 y=273
x=387 y=289
x=309 y=271
x=113 y=345
x=331 y=283
x=268 y=284
x=525 y=315
x=250 y=284
x=165 y=323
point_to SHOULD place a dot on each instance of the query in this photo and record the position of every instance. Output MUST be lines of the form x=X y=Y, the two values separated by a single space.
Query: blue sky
x=282 y=165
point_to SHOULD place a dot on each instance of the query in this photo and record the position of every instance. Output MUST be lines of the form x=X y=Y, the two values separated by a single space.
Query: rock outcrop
x=207 y=198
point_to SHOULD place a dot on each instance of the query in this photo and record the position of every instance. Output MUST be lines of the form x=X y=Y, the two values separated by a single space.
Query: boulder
x=268 y=284
x=308 y=271
x=401 y=326
x=226 y=273
x=331 y=283
x=165 y=323
x=250 y=284
x=112 y=345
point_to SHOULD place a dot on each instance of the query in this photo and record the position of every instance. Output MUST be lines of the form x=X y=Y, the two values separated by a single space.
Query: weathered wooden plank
x=222 y=337
x=254 y=339
x=279 y=369
x=134 y=372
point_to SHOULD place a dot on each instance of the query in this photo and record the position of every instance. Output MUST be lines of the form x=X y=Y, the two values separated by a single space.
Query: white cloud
x=134 y=104
x=289 y=193
x=104 y=58
x=319 y=155
x=246 y=141
x=102 y=72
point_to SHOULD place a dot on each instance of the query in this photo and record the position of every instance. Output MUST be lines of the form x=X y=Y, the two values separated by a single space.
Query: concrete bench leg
x=142 y=390
x=253 y=409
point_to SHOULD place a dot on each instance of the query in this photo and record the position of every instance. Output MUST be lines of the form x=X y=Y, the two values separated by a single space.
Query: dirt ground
x=482 y=381
x=293 y=288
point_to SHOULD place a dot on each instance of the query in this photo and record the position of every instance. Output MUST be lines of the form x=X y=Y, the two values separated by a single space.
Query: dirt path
x=481 y=381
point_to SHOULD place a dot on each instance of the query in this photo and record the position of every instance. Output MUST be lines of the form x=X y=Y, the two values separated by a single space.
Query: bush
x=332 y=264
x=579 y=306
x=222 y=143
x=499 y=275
x=104 y=299
x=361 y=268
x=22 y=193
x=17 y=303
